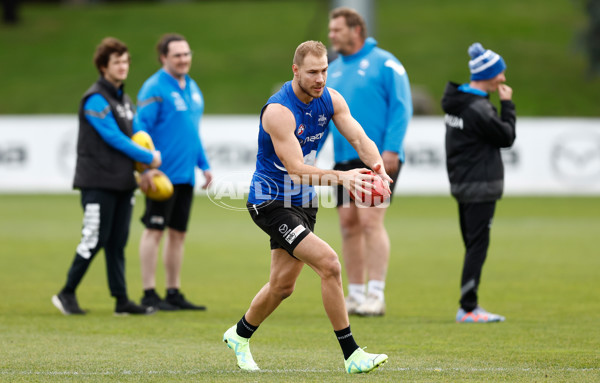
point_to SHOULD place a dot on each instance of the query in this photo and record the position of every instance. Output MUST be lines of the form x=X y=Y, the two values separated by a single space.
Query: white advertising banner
x=551 y=156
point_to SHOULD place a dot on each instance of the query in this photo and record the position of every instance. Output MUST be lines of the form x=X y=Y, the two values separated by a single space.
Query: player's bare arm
x=354 y=133
x=279 y=123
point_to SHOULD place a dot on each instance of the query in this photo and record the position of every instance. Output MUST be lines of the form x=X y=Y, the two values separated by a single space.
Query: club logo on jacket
x=300 y=130
x=453 y=121
x=179 y=102
x=125 y=111
x=363 y=65
x=197 y=98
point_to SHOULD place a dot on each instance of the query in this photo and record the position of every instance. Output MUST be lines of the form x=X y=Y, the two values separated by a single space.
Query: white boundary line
x=283 y=371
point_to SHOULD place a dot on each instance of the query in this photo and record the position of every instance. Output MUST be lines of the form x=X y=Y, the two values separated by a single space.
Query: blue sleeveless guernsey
x=270 y=180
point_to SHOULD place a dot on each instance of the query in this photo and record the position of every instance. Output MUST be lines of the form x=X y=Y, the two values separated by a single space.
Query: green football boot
x=241 y=347
x=363 y=362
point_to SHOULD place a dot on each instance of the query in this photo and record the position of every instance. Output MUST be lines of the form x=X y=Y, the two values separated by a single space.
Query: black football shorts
x=287 y=226
x=173 y=212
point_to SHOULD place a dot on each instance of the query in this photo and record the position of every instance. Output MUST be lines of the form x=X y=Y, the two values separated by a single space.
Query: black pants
x=475 y=224
x=106 y=219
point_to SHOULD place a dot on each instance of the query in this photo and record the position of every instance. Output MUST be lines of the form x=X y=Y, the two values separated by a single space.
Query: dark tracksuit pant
x=106 y=219
x=475 y=225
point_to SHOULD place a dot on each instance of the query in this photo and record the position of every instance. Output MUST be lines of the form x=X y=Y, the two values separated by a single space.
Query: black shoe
x=130 y=307
x=67 y=304
x=179 y=300
x=158 y=304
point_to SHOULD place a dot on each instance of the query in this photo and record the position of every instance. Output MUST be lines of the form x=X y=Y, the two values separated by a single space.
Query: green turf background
x=542 y=274
x=243 y=49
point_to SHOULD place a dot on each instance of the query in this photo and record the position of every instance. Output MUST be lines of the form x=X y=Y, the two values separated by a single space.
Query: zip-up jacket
x=474 y=135
x=171 y=116
x=99 y=165
x=376 y=88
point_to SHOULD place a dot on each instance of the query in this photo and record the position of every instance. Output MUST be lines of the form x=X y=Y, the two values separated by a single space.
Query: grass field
x=542 y=274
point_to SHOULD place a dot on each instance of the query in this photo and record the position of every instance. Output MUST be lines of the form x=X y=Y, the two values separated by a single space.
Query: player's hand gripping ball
x=163 y=186
x=379 y=193
x=144 y=140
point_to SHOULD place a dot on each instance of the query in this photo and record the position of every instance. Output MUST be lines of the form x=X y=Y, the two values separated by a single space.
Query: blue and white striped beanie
x=485 y=64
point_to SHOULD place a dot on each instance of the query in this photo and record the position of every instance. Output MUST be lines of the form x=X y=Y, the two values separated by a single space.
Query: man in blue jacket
x=376 y=87
x=170 y=106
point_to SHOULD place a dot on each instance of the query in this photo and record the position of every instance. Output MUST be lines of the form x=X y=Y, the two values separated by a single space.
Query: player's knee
x=152 y=235
x=350 y=228
x=285 y=293
x=331 y=267
x=370 y=226
x=176 y=235
x=282 y=290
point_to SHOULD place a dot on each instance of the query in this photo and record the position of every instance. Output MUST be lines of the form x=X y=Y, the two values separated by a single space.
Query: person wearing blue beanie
x=474 y=135
x=485 y=64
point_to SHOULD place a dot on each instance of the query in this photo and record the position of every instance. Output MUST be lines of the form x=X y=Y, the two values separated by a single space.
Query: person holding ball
x=104 y=174
x=283 y=202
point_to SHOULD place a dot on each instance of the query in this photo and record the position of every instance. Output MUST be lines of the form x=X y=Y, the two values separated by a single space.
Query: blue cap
x=485 y=64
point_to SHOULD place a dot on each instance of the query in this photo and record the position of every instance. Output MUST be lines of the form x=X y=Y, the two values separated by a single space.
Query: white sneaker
x=479 y=315
x=352 y=304
x=372 y=306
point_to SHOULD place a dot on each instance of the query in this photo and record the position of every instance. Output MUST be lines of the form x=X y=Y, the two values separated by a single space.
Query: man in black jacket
x=474 y=135
x=104 y=173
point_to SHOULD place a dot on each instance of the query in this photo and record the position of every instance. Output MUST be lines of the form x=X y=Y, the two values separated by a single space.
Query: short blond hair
x=315 y=48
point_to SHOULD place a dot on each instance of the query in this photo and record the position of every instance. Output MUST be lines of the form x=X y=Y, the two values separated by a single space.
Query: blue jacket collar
x=173 y=80
x=370 y=43
x=466 y=88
